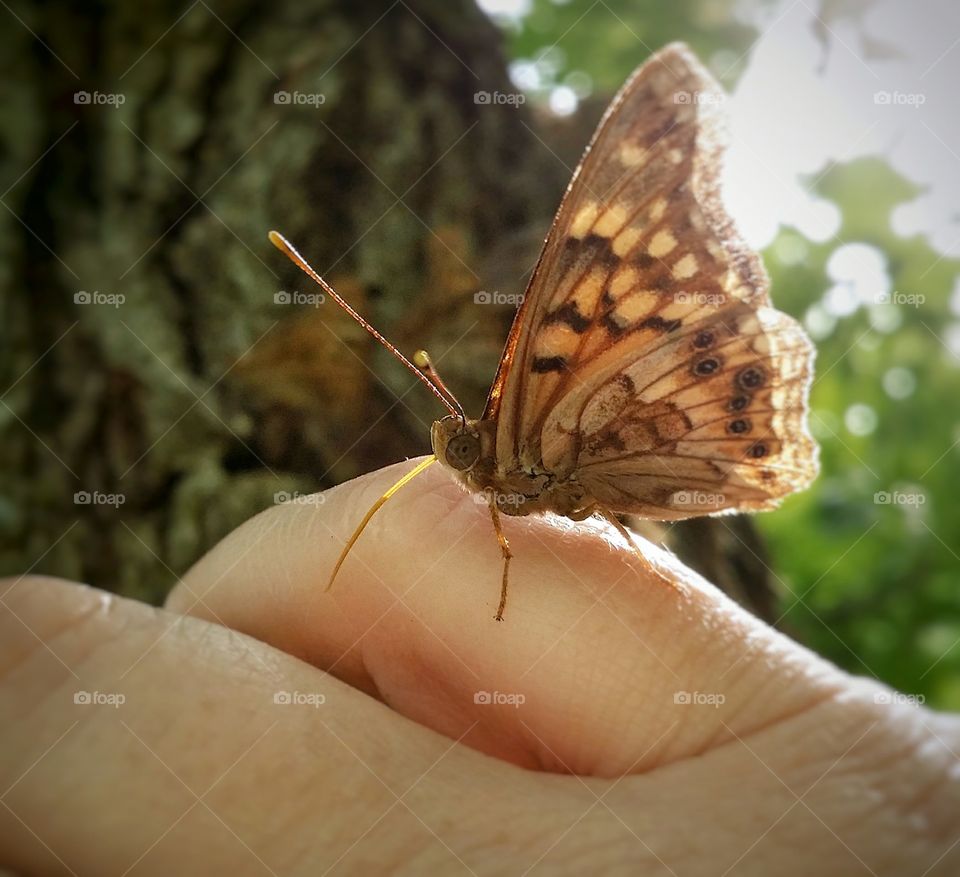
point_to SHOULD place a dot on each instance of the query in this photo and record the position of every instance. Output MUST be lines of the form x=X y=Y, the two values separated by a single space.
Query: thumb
x=598 y=667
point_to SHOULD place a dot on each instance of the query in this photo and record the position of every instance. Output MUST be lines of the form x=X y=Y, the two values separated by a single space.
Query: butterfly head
x=456 y=443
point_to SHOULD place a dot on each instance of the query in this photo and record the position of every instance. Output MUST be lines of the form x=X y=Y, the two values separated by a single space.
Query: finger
x=199 y=756
x=598 y=667
x=131 y=735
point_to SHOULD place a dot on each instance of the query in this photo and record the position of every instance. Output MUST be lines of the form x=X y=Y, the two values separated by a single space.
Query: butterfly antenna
x=423 y=362
x=413 y=473
x=290 y=251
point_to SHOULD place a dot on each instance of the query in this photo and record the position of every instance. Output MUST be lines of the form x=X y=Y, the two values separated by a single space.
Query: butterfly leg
x=609 y=516
x=507 y=555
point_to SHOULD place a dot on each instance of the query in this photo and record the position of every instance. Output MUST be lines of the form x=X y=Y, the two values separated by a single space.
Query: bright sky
x=881 y=84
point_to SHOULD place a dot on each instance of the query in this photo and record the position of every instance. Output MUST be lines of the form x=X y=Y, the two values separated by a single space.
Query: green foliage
x=871 y=584
x=607 y=40
x=874 y=585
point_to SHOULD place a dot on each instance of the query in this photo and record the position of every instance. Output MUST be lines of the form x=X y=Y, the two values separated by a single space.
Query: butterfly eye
x=463 y=451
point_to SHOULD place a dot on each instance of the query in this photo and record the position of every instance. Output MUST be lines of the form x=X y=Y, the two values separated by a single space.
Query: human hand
x=586 y=760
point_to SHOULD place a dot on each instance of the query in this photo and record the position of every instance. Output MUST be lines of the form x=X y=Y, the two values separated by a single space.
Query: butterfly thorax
x=468 y=450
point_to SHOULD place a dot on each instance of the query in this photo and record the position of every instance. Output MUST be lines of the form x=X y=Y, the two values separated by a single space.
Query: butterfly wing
x=646 y=357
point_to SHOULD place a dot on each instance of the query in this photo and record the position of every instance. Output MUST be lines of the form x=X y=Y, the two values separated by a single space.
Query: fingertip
x=429 y=555
x=34 y=608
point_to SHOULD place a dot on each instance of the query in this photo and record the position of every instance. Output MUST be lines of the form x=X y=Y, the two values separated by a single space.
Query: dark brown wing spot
x=662 y=282
x=703 y=340
x=707 y=365
x=738 y=403
x=757 y=450
x=591 y=250
x=569 y=316
x=615 y=328
x=543 y=364
x=738 y=426
x=606 y=439
x=660 y=324
x=600 y=251
x=750 y=378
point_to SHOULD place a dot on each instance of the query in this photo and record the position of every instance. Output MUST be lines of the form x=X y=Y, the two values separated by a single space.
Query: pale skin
x=786 y=765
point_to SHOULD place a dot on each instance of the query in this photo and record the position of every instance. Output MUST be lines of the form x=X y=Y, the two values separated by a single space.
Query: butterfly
x=646 y=371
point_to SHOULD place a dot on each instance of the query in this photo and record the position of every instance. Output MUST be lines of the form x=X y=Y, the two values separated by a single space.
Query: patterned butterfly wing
x=646 y=357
